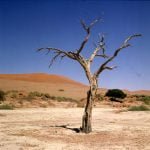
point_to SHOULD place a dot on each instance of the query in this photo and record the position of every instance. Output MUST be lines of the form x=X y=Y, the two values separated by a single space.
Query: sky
x=26 y=25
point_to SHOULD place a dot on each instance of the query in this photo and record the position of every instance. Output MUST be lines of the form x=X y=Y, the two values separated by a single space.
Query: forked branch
x=58 y=53
x=88 y=31
x=99 y=46
x=110 y=68
x=124 y=45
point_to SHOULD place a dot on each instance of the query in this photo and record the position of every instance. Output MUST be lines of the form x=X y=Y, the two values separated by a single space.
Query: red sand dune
x=39 y=77
x=44 y=83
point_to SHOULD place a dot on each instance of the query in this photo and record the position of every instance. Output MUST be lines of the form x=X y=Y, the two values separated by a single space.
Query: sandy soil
x=44 y=129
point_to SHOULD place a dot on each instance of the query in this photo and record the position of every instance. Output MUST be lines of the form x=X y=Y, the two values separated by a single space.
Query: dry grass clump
x=47 y=96
x=34 y=94
x=12 y=94
x=6 y=107
x=139 y=108
x=143 y=100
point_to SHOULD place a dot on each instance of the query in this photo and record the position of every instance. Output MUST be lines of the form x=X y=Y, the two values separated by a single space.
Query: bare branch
x=63 y=56
x=94 y=54
x=61 y=53
x=124 y=45
x=52 y=49
x=39 y=49
x=58 y=53
x=101 y=43
x=110 y=68
x=104 y=56
x=93 y=23
x=88 y=30
x=53 y=59
x=99 y=47
x=130 y=37
x=83 y=25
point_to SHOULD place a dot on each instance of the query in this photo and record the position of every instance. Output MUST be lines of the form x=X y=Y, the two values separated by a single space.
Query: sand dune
x=43 y=83
x=39 y=77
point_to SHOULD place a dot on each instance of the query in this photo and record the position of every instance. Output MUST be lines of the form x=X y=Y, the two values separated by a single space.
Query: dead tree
x=76 y=55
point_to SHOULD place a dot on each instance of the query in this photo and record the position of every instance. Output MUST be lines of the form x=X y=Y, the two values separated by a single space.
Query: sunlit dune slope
x=40 y=77
x=52 y=84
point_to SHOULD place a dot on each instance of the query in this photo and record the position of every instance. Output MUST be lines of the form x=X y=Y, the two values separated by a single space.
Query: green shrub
x=115 y=93
x=6 y=106
x=139 y=108
x=2 y=95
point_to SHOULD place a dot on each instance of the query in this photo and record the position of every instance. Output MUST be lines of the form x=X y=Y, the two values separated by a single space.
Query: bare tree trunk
x=87 y=116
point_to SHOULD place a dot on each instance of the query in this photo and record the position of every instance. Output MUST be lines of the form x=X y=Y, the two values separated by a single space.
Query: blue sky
x=26 y=25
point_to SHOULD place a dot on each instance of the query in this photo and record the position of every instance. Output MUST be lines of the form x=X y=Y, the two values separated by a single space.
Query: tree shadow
x=77 y=130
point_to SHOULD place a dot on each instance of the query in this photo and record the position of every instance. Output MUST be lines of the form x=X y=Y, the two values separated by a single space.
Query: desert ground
x=54 y=129
x=48 y=124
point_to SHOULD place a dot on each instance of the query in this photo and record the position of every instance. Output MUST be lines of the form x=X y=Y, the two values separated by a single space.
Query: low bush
x=99 y=97
x=6 y=107
x=11 y=91
x=2 y=95
x=14 y=95
x=30 y=96
x=37 y=94
x=46 y=95
x=57 y=98
x=53 y=97
x=34 y=94
x=61 y=90
x=65 y=99
x=139 y=108
x=115 y=93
